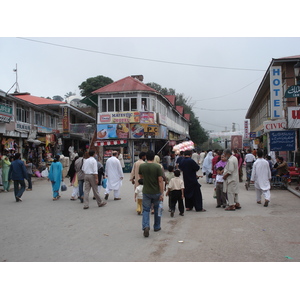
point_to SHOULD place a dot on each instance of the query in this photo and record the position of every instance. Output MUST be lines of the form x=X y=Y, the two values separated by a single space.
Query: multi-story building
x=273 y=122
x=134 y=117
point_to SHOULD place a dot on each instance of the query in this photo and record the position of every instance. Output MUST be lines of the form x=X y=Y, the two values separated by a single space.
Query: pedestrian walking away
x=17 y=173
x=134 y=175
x=55 y=176
x=176 y=193
x=5 y=165
x=192 y=188
x=138 y=196
x=207 y=167
x=114 y=175
x=261 y=176
x=231 y=181
x=153 y=189
x=90 y=169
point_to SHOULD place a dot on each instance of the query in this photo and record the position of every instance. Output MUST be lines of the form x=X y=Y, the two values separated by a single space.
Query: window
x=118 y=104
x=52 y=122
x=111 y=105
x=103 y=105
x=23 y=114
x=144 y=104
x=39 y=118
x=126 y=104
x=133 y=103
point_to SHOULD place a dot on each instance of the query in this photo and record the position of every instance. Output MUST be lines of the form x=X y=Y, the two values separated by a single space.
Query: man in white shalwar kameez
x=114 y=175
x=231 y=181
x=261 y=176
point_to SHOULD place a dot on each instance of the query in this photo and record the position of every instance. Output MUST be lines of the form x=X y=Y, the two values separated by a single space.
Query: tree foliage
x=93 y=83
x=58 y=98
x=197 y=133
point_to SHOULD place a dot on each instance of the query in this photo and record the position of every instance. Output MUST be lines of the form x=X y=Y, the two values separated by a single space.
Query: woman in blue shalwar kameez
x=55 y=176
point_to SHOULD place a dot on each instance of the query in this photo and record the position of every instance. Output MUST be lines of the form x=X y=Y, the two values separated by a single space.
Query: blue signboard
x=283 y=140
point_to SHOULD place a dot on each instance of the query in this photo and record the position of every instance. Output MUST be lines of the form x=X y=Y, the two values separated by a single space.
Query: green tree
x=93 y=83
x=197 y=133
x=69 y=94
x=58 y=98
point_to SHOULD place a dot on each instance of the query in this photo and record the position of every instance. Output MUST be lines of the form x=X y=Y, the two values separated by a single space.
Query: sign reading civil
x=276 y=92
x=275 y=125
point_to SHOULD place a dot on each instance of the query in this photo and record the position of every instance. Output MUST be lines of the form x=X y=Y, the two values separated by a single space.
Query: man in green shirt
x=153 y=190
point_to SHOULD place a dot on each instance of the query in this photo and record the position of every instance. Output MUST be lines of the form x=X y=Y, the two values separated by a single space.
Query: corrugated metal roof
x=37 y=100
x=125 y=85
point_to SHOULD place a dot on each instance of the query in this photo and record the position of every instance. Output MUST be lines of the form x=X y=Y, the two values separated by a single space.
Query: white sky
x=219 y=96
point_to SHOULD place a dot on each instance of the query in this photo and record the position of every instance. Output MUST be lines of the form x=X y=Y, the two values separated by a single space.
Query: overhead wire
x=140 y=58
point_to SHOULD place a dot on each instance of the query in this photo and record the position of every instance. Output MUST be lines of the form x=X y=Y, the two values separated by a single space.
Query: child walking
x=138 y=196
x=176 y=193
x=221 y=196
x=169 y=176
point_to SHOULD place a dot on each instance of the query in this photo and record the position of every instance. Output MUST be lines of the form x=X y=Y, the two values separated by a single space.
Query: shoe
x=218 y=206
x=237 y=206
x=117 y=198
x=85 y=207
x=231 y=207
x=81 y=199
x=106 y=196
x=258 y=202
x=224 y=206
x=94 y=198
x=19 y=199
x=146 y=231
x=266 y=203
x=73 y=199
x=157 y=229
x=28 y=189
x=172 y=214
x=181 y=215
x=55 y=198
x=102 y=204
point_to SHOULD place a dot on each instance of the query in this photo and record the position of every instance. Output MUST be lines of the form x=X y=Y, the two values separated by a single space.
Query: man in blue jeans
x=153 y=189
x=17 y=173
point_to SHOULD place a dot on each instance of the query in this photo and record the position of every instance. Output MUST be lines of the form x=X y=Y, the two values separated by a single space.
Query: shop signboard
x=5 y=113
x=119 y=117
x=292 y=92
x=279 y=124
x=66 y=120
x=294 y=117
x=246 y=129
x=113 y=131
x=282 y=140
x=138 y=131
x=163 y=132
x=252 y=135
x=147 y=117
x=23 y=126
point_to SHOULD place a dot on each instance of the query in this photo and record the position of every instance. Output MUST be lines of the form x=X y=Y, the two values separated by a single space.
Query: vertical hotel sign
x=66 y=122
x=246 y=129
x=276 y=92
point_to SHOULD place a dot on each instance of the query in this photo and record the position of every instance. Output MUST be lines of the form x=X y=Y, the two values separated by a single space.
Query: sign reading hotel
x=276 y=92
x=66 y=120
x=274 y=125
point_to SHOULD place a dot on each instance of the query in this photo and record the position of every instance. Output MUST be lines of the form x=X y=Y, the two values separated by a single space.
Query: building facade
x=133 y=117
x=273 y=112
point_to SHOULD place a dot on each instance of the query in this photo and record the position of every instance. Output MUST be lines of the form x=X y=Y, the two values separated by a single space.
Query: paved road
x=42 y=230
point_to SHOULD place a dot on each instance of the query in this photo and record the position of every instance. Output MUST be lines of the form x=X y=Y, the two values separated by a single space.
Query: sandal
x=237 y=206
x=231 y=207
x=266 y=203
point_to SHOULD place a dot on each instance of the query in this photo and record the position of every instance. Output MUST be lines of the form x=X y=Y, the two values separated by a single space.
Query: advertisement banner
x=163 y=132
x=146 y=131
x=282 y=140
x=236 y=142
x=147 y=117
x=119 y=117
x=274 y=125
x=112 y=131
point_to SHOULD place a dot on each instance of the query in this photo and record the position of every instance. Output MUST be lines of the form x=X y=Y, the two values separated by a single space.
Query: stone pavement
x=42 y=230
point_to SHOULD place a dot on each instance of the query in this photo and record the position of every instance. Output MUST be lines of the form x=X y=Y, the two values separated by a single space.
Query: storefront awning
x=110 y=143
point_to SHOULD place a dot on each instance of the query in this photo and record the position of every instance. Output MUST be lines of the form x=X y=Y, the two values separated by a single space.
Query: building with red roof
x=133 y=112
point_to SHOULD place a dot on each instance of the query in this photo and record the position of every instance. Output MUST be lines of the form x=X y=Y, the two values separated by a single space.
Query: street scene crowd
x=175 y=179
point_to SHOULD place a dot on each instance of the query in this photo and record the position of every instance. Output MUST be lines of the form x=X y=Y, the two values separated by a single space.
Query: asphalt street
x=42 y=230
